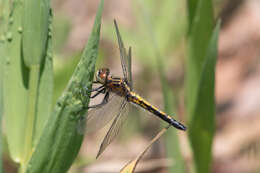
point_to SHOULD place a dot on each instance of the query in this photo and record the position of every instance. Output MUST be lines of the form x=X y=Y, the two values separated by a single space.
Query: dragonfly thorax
x=102 y=75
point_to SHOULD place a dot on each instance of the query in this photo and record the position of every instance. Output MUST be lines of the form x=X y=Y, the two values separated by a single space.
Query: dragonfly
x=117 y=94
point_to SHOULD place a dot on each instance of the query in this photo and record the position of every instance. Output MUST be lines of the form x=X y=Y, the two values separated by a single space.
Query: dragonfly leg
x=85 y=91
x=93 y=89
x=104 y=101
x=102 y=91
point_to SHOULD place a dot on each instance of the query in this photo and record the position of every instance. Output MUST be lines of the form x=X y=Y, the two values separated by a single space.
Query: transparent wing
x=130 y=79
x=115 y=127
x=100 y=116
x=125 y=59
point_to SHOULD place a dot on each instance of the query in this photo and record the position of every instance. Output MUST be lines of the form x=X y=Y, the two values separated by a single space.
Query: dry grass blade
x=130 y=167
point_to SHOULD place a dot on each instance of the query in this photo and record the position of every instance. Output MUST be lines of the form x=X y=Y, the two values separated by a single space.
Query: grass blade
x=45 y=91
x=3 y=25
x=35 y=25
x=172 y=140
x=173 y=146
x=60 y=142
x=35 y=22
x=130 y=167
x=174 y=149
x=202 y=54
x=1 y=138
x=1 y=94
x=1 y=115
x=31 y=112
x=15 y=85
x=202 y=125
x=198 y=40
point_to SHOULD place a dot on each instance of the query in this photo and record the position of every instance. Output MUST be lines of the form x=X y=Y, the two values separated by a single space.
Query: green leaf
x=15 y=85
x=202 y=54
x=35 y=25
x=172 y=140
x=60 y=141
x=1 y=94
x=198 y=41
x=45 y=90
x=4 y=12
x=1 y=137
x=4 y=6
x=35 y=22
x=157 y=43
x=202 y=124
x=1 y=113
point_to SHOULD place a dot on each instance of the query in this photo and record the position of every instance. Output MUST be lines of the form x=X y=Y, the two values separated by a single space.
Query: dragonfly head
x=102 y=75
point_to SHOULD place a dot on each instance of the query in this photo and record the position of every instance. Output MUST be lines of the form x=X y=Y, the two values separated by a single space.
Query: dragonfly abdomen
x=136 y=99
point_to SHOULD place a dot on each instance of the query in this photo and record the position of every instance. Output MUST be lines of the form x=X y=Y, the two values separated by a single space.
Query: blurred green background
x=157 y=31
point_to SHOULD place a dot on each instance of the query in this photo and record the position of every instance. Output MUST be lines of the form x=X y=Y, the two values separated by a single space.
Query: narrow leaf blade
x=35 y=25
x=45 y=91
x=202 y=125
x=60 y=142
x=3 y=24
x=200 y=35
x=15 y=85
x=198 y=41
x=1 y=94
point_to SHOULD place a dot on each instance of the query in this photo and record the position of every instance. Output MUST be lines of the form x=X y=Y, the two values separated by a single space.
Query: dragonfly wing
x=100 y=116
x=130 y=79
x=125 y=59
x=115 y=127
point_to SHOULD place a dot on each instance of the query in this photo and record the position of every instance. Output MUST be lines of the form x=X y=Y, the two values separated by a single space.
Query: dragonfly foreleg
x=85 y=91
x=95 y=89
x=104 y=101
x=102 y=91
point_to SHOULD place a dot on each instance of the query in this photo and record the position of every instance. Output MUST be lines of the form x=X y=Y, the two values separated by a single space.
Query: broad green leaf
x=15 y=84
x=202 y=124
x=35 y=30
x=4 y=6
x=45 y=91
x=35 y=22
x=60 y=140
x=4 y=12
x=29 y=121
x=130 y=167
x=62 y=74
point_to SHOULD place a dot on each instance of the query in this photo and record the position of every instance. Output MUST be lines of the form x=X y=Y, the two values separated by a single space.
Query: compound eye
x=103 y=75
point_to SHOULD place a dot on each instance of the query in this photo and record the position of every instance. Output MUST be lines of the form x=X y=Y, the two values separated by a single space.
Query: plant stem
x=31 y=112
